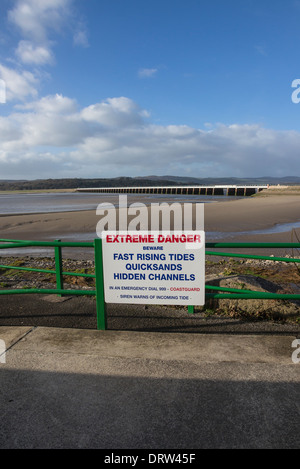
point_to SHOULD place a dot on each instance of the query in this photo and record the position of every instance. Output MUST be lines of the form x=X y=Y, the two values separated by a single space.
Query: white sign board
x=154 y=267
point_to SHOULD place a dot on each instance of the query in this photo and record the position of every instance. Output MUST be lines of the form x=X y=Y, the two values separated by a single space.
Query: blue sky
x=130 y=88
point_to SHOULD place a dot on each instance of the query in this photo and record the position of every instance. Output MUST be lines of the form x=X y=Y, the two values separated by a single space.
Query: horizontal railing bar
x=228 y=290
x=252 y=256
x=50 y=243
x=16 y=244
x=40 y=291
x=27 y=269
x=253 y=245
x=45 y=271
x=76 y=274
x=246 y=292
x=253 y=296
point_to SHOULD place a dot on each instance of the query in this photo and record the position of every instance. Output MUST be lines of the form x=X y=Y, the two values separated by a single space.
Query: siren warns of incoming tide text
x=154 y=268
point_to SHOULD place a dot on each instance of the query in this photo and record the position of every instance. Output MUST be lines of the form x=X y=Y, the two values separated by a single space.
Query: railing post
x=100 y=301
x=58 y=267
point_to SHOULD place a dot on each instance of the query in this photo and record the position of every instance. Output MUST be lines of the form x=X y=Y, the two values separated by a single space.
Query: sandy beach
x=235 y=219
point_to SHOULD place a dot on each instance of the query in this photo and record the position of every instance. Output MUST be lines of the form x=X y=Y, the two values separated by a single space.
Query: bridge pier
x=241 y=191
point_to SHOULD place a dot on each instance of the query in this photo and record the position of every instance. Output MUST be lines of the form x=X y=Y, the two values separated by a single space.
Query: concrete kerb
x=196 y=348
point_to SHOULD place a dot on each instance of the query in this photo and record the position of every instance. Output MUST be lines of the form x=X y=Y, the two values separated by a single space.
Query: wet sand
x=228 y=217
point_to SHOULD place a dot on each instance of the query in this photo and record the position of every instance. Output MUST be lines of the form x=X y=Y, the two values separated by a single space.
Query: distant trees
x=45 y=184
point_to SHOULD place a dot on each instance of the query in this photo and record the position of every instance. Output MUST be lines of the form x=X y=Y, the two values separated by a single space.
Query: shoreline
x=228 y=216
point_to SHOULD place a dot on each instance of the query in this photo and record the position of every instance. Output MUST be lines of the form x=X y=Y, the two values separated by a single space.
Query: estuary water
x=17 y=204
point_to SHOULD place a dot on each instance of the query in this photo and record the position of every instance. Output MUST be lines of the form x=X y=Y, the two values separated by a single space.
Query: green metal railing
x=58 y=272
x=223 y=293
x=239 y=294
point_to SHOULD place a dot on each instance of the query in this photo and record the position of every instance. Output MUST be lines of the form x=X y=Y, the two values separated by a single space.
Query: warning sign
x=154 y=267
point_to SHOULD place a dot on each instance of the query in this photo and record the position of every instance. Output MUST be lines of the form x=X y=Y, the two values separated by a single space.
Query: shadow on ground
x=139 y=412
x=80 y=313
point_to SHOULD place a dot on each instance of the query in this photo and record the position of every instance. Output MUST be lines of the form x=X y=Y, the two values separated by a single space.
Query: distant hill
x=287 y=180
x=45 y=184
x=73 y=183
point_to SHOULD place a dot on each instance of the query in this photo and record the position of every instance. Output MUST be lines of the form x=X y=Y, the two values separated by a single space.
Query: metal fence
x=212 y=292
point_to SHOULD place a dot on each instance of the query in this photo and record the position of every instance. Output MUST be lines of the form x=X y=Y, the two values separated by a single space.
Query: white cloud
x=19 y=85
x=147 y=72
x=35 y=18
x=54 y=136
x=54 y=105
x=28 y=53
x=121 y=112
x=52 y=121
x=37 y=21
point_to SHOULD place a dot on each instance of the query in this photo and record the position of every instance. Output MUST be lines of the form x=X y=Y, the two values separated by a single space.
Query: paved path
x=70 y=388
